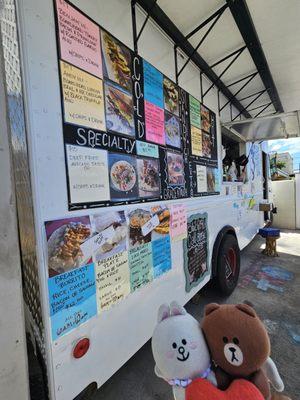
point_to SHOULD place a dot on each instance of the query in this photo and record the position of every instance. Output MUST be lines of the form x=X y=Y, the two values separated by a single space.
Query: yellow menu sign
x=196 y=141
x=83 y=97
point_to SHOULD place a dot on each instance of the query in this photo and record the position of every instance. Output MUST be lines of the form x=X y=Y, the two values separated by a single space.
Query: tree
x=280 y=164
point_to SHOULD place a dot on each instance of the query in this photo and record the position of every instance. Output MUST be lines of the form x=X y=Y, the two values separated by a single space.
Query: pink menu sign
x=79 y=39
x=154 y=117
x=178 y=225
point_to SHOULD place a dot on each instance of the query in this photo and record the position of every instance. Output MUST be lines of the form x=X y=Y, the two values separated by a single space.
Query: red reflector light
x=81 y=348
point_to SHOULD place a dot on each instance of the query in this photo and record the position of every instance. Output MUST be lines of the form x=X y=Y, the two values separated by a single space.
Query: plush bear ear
x=163 y=312
x=211 y=308
x=176 y=309
x=246 y=309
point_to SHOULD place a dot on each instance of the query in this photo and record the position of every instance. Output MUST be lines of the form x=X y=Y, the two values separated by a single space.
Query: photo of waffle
x=116 y=61
x=171 y=97
x=137 y=218
x=119 y=109
x=64 y=240
x=206 y=145
x=164 y=215
x=148 y=177
x=175 y=169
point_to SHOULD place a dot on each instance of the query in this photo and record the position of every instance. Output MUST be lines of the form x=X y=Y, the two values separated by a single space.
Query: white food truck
x=130 y=192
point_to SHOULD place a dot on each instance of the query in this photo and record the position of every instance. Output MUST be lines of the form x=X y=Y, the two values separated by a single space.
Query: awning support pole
x=136 y=35
x=251 y=102
x=225 y=70
x=236 y=93
x=262 y=105
x=242 y=79
x=261 y=111
x=201 y=41
x=228 y=56
x=253 y=94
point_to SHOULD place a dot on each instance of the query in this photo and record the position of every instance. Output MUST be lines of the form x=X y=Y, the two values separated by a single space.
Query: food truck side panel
x=115 y=335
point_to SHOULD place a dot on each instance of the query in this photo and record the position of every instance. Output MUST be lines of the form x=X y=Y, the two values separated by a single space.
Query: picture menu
x=130 y=133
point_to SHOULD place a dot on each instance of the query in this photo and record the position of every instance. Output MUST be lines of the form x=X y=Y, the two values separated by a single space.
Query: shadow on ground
x=272 y=285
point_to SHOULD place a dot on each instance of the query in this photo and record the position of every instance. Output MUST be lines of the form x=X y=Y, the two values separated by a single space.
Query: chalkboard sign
x=130 y=133
x=195 y=248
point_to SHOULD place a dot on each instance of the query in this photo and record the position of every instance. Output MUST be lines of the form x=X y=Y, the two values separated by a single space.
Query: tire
x=88 y=392
x=228 y=265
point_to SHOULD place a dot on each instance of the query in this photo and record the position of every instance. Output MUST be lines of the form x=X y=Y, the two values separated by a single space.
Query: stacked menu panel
x=130 y=133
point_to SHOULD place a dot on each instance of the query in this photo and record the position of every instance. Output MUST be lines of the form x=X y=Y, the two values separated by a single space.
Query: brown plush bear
x=239 y=344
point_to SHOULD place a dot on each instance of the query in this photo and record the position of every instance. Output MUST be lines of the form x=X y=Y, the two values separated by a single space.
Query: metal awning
x=279 y=126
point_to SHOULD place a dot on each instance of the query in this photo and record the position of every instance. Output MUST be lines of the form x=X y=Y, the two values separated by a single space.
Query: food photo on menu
x=122 y=177
x=110 y=232
x=206 y=145
x=171 y=98
x=172 y=130
x=116 y=61
x=148 y=177
x=175 y=169
x=64 y=240
x=119 y=109
x=138 y=219
x=205 y=119
x=211 y=180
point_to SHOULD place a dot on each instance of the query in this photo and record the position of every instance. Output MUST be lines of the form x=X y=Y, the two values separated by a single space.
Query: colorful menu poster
x=195 y=250
x=154 y=119
x=72 y=299
x=195 y=112
x=79 y=39
x=83 y=97
x=88 y=174
x=161 y=251
x=146 y=149
x=178 y=223
x=112 y=280
x=196 y=141
x=201 y=172
x=141 y=266
x=153 y=85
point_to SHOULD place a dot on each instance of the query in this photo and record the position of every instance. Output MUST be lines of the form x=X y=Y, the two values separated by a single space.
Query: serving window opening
x=234 y=158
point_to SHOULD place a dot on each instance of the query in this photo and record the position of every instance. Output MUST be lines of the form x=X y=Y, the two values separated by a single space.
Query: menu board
x=195 y=250
x=136 y=135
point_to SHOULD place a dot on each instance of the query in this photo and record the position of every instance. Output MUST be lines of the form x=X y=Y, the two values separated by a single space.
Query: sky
x=287 y=145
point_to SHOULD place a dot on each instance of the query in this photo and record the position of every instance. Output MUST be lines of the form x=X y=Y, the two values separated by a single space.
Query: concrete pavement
x=272 y=285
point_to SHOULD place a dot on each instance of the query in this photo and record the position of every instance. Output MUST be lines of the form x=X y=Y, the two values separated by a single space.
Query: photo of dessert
x=148 y=177
x=172 y=130
x=171 y=97
x=136 y=220
x=113 y=229
x=175 y=169
x=206 y=145
x=64 y=240
x=119 y=110
x=116 y=61
x=164 y=215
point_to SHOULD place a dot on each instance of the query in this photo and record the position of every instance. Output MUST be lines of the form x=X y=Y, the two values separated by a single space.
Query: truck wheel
x=88 y=392
x=228 y=265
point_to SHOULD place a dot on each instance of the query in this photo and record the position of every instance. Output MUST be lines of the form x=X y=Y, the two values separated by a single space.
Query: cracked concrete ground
x=272 y=285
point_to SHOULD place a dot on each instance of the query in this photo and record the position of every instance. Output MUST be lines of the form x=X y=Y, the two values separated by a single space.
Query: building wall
x=288 y=160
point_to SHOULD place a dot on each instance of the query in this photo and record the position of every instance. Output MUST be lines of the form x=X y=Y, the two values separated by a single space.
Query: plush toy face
x=237 y=339
x=178 y=345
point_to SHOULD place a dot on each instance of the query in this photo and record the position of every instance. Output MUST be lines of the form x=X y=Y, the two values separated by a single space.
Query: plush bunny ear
x=211 y=308
x=163 y=312
x=176 y=309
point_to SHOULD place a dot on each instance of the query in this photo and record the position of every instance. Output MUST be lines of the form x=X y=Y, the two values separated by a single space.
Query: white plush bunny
x=179 y=349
